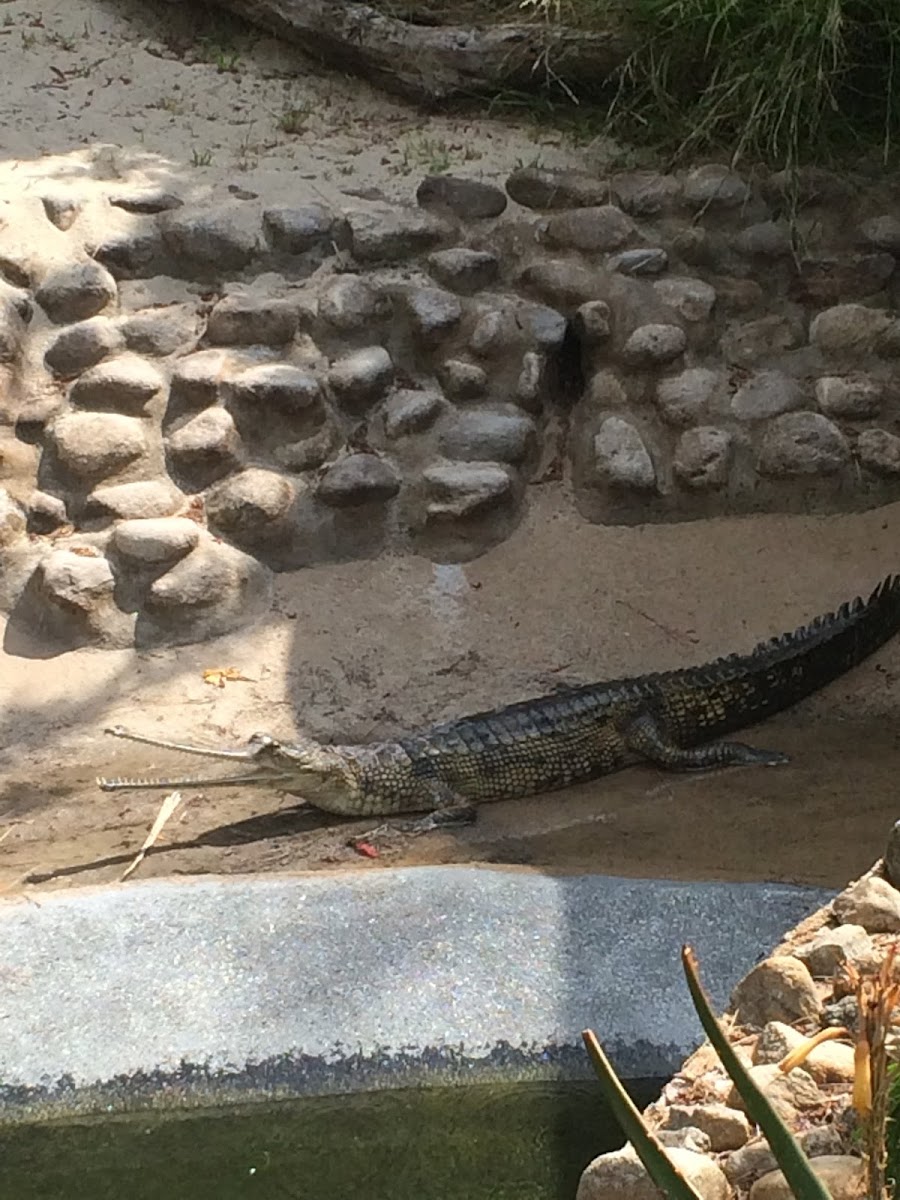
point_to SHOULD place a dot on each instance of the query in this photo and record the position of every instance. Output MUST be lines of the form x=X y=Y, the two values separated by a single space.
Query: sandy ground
x=369 y=649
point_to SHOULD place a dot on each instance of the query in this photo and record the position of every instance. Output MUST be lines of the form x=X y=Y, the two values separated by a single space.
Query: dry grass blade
x=167 y=808
x=877 y=995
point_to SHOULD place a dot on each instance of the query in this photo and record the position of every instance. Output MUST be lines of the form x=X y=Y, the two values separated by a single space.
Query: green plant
x=778 y=80
x=802 y=1180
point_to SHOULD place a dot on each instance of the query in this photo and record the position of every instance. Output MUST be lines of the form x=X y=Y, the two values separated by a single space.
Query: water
x=487 y=1142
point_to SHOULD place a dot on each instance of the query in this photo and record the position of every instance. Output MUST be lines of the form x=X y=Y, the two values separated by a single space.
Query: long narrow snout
x=259 y=748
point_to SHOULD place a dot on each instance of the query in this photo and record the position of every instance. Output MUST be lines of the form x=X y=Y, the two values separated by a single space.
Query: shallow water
x=488 y=1142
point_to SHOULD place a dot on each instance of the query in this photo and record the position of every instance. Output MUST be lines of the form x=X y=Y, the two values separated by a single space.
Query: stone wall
x=196 y=396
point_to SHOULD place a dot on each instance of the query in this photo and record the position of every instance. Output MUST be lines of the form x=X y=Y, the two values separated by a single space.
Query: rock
x=559 y=282
x=308 y=454
x=463 y=270
x=359 y=380
x=702 y=457
x=766 y=239
x=727 y=1128
x=688 y=1138
x=296 y=230
x=621 y=458
x=469 y=199
x=843 y=1177
x=288 y=389
x=241 y=320
x=409 y=411
x=197 y=378
x=76 y=291
x=620 y=1175
x=879 y=451
x=778 y=989
x=488 y=334
x=652 y=344
x=850 y=396
x=714 y=186
x=684 y=398
x=592 y=322
x=849 y=330
x=12 y=519
x=460 y=490
x=485 y=435
x=208 y=439
x=156 y=540
x=12 y=330
x=61 y=210
x=249 y=503
x=82 y=345
x=589 y=230
x=462 y=380
x=544 y=326
x=645 y=193
x=892 y=856
x=45 y=513
x=433 y=313
x=766 y=394
x=830 y=1062
x=351 y=303
x=146 y=200
x=870 y=902
x=752 y=342
x=124 y=382
x=831 y=947
x=142 y=499
x=202 y=579
x=94 y=444
x=161 y=331
x=802 y=443
x=883 y=232
x=540 y=187
x=605 y=391
x=832 y=279
x=649 y=260
x=529 y=385
x=749 y=1163
x=133 y=253
x=225 y=240
x=692 y=299
x=789 y=1094
x=358 y=479
x=77 y=582
x=395 y=235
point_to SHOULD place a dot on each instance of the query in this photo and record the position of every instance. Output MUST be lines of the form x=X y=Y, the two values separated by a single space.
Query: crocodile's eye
x=262 y=741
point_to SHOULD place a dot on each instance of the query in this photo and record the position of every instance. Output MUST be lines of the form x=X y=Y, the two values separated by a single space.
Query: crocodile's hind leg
x=646 y=737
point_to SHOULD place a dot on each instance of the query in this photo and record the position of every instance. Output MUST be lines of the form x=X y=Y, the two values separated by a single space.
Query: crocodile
x=670 y=719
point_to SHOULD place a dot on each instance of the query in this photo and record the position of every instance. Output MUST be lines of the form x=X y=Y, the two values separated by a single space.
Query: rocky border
x=789 y=996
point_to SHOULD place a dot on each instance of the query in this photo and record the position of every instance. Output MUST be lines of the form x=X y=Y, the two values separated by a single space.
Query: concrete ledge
x=166 y=994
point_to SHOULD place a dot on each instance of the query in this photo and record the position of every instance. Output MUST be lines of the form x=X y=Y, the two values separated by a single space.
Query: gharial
x=572 y=735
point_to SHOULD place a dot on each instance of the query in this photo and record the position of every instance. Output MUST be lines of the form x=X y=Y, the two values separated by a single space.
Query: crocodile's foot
x=442 y=818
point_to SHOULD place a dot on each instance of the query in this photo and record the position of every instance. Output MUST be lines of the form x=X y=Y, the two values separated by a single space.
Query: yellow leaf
x=219 y=676
x=167 y=808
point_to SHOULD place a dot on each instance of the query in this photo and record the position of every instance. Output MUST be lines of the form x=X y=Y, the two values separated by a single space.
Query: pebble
x=358 y=479
x=468 y=199
x=76 y=291
x=156 y=539
x=126 y=382
x=464 y=270
x=359 y=380
x=488 y=435
x=621 y=458
x=93 y=444
x=777 y=989
x=802 y=443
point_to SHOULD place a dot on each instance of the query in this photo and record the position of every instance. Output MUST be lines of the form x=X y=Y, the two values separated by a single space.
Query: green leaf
x=802 y=1180
x=661 y=1169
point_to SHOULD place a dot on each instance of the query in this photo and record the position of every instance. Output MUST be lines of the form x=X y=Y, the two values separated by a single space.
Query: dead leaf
x=219 y=676
x=167 y=808
x=85 y=551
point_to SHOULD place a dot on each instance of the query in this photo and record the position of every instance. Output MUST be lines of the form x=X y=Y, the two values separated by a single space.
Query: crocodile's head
x=321 y=774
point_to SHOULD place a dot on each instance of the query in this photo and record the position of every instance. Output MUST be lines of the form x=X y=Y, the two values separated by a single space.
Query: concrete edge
x=182 y=994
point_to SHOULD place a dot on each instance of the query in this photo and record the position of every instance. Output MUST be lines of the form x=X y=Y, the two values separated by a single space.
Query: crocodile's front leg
x=449 y=810
x=646 y=737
